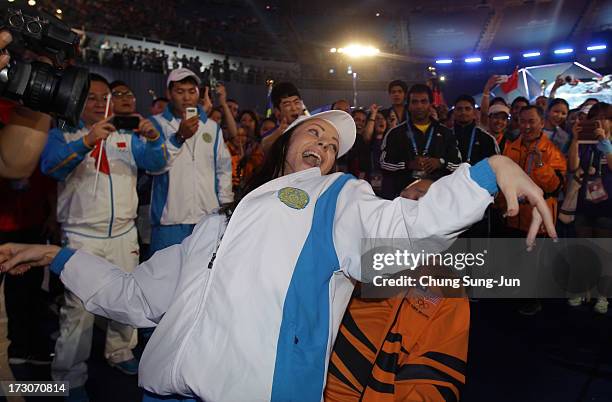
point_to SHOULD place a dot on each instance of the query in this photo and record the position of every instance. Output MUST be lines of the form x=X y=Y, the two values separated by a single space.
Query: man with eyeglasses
x=96 y=167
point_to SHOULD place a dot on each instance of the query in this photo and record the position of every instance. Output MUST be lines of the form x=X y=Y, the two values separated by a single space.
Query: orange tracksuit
x=405 y=348
x=550 y=176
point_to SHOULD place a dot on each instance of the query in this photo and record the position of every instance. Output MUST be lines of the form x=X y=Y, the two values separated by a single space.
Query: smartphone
x=126 y=122
x=587 y=135
x=190 y=112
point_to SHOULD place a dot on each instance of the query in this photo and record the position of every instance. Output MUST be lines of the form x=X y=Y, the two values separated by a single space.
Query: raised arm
x=451 y=205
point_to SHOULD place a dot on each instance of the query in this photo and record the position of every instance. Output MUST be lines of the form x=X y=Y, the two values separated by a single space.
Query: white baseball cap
x=341 y=121
x=180 y=74
x=499 y=108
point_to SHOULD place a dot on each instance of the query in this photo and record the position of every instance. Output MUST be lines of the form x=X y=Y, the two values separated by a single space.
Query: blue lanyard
x=414 y=144
x=472 y=139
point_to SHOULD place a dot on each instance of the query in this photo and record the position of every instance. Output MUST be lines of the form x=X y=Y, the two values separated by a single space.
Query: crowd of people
x=226 y=33
x=155 y=60
x=148 y=192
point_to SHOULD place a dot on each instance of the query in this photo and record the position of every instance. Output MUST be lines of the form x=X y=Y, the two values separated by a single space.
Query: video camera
x=55 y=90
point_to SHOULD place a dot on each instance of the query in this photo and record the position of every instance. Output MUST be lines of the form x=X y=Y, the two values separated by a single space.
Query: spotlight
x=531 y=54
x=331 y=71
x=58 y=11
x=596 y=47
x=378 y=14
x=499 y=58
x=333 y=50
x=593 y=59
x=444 y=61
x=442 y=78
x=564 y=51
x=32 y=2
x=355 y=50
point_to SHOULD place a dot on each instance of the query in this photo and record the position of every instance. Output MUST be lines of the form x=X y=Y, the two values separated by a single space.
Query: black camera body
x=40 y=86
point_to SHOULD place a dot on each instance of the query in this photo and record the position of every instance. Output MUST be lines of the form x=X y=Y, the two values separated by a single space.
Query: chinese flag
x=512 y=82
x=104 y=166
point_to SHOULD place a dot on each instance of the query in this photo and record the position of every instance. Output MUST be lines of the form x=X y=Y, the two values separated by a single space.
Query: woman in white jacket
x=249 y=312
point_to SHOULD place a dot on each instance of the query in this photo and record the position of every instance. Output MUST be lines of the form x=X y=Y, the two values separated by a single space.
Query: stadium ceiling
x=450 y=28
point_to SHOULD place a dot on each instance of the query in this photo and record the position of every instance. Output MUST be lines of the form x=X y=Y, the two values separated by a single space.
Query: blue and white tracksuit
x=101 y=223
x=258 y=322
x=196 y=180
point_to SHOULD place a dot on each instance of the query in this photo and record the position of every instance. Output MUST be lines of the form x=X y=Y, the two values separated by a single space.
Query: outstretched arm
x=140 y=298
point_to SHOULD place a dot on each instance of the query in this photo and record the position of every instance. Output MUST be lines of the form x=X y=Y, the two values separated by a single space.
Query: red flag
x=512 y=82
x=104 y=166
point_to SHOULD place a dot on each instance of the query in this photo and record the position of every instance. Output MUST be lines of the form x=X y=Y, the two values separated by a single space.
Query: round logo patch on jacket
x=293 y=197
x=207 y=137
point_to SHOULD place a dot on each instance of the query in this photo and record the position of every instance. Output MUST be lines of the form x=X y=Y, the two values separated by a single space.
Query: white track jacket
x=256 y=319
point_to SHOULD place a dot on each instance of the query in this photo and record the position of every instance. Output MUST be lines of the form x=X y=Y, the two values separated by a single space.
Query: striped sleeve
x=436 y=368
x=59 y=158
x=393 y=156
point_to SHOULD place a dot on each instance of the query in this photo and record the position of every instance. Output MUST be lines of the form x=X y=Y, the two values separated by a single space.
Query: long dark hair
x=273 y=166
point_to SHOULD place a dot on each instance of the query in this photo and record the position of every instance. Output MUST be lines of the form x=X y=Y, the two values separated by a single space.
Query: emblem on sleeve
x=293 y=197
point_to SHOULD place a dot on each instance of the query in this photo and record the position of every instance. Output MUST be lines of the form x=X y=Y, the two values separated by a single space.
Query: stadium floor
x=562 y=354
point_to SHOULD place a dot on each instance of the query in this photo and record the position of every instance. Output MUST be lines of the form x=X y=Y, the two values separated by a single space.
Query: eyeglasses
x=97 y=98
x=119 y=94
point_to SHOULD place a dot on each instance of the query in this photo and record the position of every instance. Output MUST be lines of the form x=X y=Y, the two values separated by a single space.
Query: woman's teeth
x=312 y=158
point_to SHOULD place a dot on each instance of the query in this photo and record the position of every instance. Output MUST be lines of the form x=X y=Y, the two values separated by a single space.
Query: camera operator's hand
x=188 y=127
x=559 y=81
x=146 y=128
x=5 y=40
x=99 y=131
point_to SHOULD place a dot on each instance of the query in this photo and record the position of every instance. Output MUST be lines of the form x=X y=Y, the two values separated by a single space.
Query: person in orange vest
x=545 y=165
x=541 y=160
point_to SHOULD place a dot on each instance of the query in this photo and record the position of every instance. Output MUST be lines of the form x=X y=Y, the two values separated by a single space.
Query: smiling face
x=314 y=143
x=531 y=125
x=557 y=114
x=498 y=122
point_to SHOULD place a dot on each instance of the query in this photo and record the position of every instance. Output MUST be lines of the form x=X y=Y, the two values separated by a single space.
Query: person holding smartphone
x=590 y=157
x=96 y=167
x=198 y=176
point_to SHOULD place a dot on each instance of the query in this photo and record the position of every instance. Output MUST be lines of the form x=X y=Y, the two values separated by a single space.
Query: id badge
x=595 y=191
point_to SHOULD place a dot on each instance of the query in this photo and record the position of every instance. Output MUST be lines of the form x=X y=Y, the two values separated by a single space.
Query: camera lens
x=15 y=20
x=34 y=27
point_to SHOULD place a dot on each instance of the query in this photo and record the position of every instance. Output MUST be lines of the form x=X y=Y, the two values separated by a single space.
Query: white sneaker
x=575 y=301
x=601 y=306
